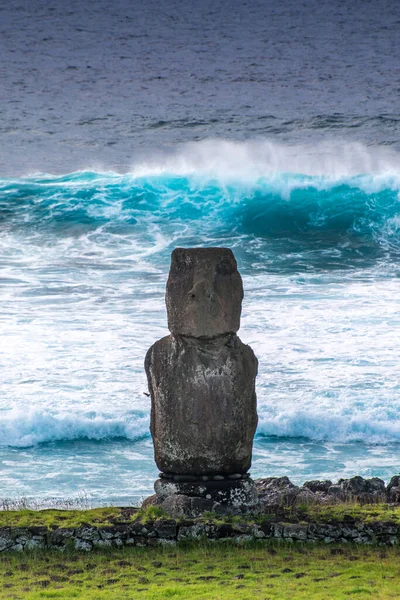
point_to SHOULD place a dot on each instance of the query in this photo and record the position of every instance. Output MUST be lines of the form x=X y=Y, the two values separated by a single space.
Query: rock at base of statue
x=195 y=497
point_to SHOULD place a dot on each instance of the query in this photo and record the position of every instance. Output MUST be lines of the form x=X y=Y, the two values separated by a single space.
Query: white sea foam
x=22 y=429
x=251 y=160
x=329 y=426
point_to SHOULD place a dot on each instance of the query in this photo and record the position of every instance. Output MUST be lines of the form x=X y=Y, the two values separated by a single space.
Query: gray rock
x=192 y=532
x=275 y=483
x=184 y=478
x=165 y=529
x=318 y=486
x=6 y=538
x=153 y=500
x=177 y=506
x=394 y=482
x=393 y=489
x=35 y=542
x=204 y=292
x=203 y=414
x=164 y=489
x=306 y=497
x=236 y=493
x=88 y=533
x=201 y=505
x=393 y=495
x=83 y=545
x=61 y=536
x=276 y=491
x=363 y=490
x=295 y=531
x=112 y=532
x=335 y=490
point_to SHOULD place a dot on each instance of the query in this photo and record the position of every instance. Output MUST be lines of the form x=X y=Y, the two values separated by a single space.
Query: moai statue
x=202 y=384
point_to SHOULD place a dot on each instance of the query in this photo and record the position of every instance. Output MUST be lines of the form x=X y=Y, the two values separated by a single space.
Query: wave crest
x=321 y=426
x=361 y=209
x=23 y=429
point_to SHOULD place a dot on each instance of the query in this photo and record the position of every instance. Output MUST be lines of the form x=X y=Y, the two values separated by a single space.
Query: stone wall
x=170 y=531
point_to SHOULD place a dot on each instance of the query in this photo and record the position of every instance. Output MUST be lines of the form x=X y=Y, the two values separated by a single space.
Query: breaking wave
x=220 y=189
x=21 y=429
x=339 y=428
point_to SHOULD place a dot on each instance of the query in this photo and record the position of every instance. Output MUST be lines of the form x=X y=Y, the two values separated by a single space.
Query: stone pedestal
x=202 y=383
x=236 y=493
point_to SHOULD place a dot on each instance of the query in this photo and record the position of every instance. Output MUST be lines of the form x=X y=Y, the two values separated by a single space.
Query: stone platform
x=218 y=494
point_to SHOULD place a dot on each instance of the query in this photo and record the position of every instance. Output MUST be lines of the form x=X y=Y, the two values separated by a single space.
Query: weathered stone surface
x=364 y=490
x=204 y=292
x=240 y=493
x=203 y=415
x=61 y=536
x=280 y=491
x=394 y=482
x=82 y=545
x=153 y=500
x=393 y=489
x=202 y=386
x=6 y=538
x=276 y=491
x=165 y=529
x=169 y=531
x=306 y=496
x=88 y=533
x=295 y=531
x=176 y=505
x=318 y=486
x=199 y=506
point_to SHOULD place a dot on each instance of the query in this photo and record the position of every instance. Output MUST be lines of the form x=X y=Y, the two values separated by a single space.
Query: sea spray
x=84 y=258
x=311 y=210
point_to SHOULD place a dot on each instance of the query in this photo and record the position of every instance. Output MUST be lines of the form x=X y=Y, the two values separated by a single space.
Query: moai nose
x=201 y=290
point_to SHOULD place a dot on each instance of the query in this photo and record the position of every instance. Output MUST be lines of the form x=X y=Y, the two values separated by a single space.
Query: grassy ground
x=111 y=515
x=63 y=518
x=205 y=571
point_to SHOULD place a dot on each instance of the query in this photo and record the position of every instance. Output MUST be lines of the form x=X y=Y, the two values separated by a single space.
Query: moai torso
x=202 y=377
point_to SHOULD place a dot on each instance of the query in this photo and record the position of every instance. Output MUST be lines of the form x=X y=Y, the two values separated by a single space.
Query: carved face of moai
x=204 y=292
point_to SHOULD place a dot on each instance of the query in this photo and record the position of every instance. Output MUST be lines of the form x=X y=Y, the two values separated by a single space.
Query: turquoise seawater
x=84 y=259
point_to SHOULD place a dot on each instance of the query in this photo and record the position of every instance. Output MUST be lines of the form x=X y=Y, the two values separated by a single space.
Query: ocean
x=128 y=130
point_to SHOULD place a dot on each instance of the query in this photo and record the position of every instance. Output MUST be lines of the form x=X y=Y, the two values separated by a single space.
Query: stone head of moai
x=204 y=292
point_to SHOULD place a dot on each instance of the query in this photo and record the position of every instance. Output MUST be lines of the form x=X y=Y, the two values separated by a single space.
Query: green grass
x=111 y=515
x=205 y=571
x=52 y=518
x=367 y=513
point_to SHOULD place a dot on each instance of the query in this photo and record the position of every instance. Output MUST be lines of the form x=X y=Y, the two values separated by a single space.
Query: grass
x=52 y=518
x=205 y=571
x=367 y=513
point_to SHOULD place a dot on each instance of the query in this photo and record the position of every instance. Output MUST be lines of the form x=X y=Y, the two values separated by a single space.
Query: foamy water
x=130 y=128
x=85 y=259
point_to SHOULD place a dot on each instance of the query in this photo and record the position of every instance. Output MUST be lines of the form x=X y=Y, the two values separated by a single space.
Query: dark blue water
x=107 y=84
x=127 y=130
